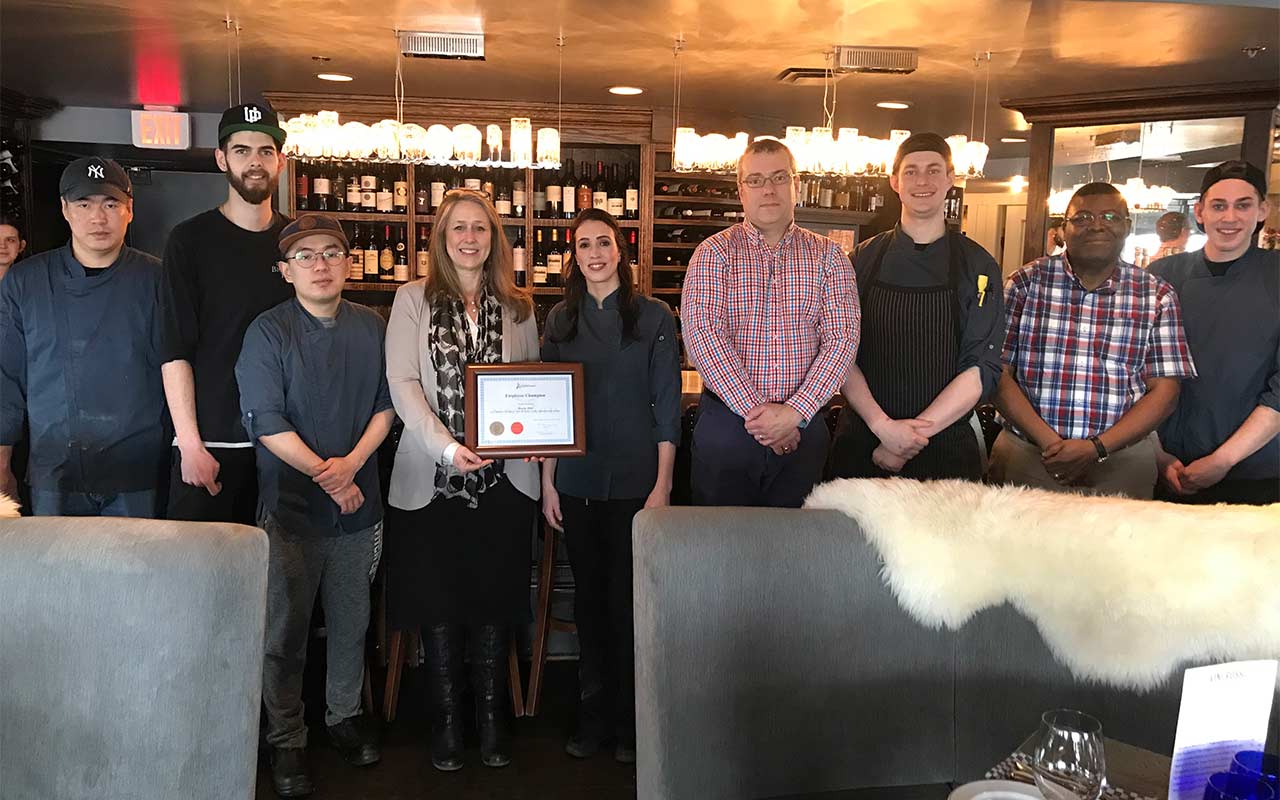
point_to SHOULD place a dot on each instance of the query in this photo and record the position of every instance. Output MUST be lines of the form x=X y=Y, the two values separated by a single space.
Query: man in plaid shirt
x=1093 y=355
x=771 y=322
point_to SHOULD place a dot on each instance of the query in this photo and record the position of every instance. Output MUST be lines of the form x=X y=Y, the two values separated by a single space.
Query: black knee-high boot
x=489 y=680
x=443 y=646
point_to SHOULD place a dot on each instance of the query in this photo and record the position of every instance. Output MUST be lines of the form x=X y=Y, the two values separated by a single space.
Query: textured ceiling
x=122 y=52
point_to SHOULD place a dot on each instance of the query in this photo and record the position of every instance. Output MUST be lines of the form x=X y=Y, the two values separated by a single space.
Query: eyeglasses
x=1084 y=219
x=777 y=179
x=307 y=258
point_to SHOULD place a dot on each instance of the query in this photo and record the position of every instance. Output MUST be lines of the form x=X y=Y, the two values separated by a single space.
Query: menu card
x=1225 y=709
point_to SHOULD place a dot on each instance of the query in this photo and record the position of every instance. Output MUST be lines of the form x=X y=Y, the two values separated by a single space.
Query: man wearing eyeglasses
x=1094 y=351
x=219 y=273
x=1223 y=439
x=314 y=397
x=771 y=322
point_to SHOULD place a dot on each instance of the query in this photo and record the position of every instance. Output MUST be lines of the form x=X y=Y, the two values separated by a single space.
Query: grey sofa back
x=771 y=660
x=130 y=658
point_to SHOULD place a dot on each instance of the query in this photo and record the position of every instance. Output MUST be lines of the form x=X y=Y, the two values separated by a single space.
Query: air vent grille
x=437 y=44
x=899 y=60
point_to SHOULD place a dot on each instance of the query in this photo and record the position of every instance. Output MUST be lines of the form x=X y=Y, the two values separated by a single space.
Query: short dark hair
x=767 y=145
x=1171 y=225
x=1097 y=189
x=12 y=222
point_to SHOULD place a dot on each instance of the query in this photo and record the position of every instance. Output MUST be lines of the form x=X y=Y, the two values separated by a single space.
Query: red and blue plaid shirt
x=1083 y=357
x=771 y=324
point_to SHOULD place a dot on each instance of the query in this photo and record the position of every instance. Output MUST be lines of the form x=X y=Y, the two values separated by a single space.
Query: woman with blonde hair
x=460 y=524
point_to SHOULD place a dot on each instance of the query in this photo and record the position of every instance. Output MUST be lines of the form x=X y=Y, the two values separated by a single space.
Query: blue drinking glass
x=1260 y=765
x=1234 y=786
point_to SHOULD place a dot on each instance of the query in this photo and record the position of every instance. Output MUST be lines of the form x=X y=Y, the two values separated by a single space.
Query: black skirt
x=446 y=562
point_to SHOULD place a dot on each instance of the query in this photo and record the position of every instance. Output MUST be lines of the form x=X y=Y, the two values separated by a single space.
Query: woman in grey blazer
x=459 y=528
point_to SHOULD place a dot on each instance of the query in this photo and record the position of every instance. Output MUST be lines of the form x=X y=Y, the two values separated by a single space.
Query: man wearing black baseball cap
x=314 y=395
x=1222 y=442
x=78 y=358
x=219 y=273
x=933 y=323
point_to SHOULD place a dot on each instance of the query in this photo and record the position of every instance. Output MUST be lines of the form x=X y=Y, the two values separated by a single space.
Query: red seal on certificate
x=517 y=428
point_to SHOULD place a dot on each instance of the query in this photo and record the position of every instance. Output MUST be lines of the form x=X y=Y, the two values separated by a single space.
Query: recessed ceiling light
x=1012 y=139
x=625 y=90
x=893 y=104
x=334 y=76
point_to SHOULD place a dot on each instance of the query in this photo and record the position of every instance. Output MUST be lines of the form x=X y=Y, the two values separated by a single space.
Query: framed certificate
x=526 y=409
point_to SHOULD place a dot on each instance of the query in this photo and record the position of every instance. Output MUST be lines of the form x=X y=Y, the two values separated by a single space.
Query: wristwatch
x=1100 y=447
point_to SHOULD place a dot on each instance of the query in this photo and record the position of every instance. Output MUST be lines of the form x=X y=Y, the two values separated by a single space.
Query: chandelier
x=817 y=151
x=1137 y=194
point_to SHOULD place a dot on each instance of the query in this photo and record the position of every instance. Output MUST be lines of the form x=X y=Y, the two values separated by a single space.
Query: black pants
x=730 y=468
x=598 y=535
x=238 y=500
x=1241 y=492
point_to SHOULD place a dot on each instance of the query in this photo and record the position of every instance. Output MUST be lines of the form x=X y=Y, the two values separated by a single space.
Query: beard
x=253 y=196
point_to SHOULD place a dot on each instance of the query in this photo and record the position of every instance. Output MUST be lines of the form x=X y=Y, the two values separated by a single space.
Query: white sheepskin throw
x=1123 y=591
x=8 y=507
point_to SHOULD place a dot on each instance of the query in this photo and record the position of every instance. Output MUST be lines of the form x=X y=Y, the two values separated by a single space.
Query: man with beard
x=1094 y=353
x=219 y=274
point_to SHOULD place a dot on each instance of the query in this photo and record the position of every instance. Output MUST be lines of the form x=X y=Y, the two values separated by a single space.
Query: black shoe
x=625 y=752
x=443 y=647
x=289 y=773
x=584 y=744
x=489 y=680
x=356 y=739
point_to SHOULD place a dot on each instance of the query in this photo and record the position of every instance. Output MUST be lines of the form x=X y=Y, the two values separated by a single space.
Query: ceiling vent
x=438 y=44
x=849 y=58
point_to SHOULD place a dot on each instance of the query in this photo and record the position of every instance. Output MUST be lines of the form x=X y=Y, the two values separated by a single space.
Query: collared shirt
x=324 y=382
x=1083 y=357
x=78 y=359
x=1233 y=328
x=771 y=324
x=632 y=395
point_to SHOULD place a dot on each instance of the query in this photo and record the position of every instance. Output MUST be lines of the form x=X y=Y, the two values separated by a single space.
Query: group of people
x=280 y=393
x=1108 y=379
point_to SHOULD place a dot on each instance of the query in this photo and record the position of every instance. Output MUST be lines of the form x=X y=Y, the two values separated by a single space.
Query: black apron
x=909 y=347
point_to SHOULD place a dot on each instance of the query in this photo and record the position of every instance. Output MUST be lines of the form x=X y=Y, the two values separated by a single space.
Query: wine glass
x=1068 y=760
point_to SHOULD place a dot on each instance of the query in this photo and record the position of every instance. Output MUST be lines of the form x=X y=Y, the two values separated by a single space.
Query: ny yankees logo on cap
x=95 y=171
x=252 y=114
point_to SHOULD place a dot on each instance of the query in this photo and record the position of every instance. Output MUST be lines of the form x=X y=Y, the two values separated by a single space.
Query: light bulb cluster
x=323 y=136
x=1137 y=194
x=818 y=152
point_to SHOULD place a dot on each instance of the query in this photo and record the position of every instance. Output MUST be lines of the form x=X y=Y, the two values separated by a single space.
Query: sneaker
x=356 y=739
x=289 y=773
x=584 y=744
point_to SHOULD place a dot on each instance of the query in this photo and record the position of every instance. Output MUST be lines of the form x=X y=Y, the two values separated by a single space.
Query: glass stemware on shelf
x=1068 y=760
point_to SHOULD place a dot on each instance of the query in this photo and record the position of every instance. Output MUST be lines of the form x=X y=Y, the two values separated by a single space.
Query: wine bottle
x=518 y=258
x=584 y=189
x=519 y=198
x=471 y=180
x=566 y=255
x=339 y=195
x=424 y=252
x=487 y=187
x=502 y=200
x=356 y=255
x=400 y=186
x=539 y=260
x=555 y=259
x=568 y=192
x=386 y=256
x=386 y=193
x=353 y=192
x=371 y=255
x=555 y=196
x=302 y=188
x=369 y=190
x=421 y=190
x=438 y=187
x=617 y=202
x=321 y=187
x=632 y=199
x=401 y=268
x=633 y=256
x=600 y=194
x=455 y=178
x=539 y=197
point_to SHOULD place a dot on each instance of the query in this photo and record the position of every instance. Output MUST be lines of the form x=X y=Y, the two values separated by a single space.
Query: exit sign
x=161 y=130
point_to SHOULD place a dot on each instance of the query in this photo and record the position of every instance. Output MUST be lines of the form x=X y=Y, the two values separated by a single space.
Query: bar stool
x=544 y=623
x=404 y=648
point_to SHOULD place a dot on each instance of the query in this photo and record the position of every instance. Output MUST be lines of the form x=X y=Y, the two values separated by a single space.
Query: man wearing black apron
x=932 y=322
